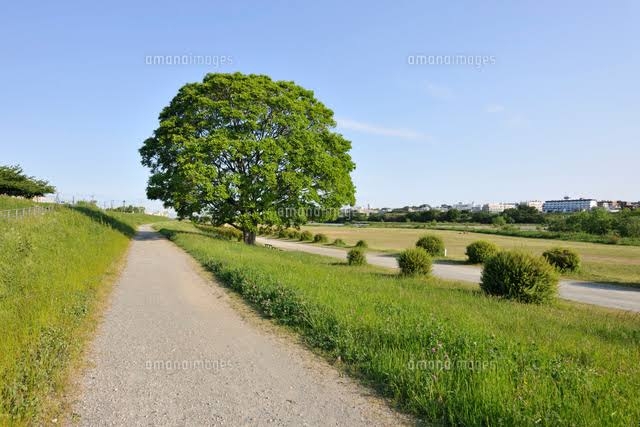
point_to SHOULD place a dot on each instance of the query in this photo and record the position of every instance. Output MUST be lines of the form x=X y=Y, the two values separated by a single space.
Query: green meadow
x=441 y=350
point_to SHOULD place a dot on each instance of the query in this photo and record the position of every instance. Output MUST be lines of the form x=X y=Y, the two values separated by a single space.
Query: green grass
x=603 y=263
x=54 y=271
x=442 y=350
x=7 y=202
x=531 y=231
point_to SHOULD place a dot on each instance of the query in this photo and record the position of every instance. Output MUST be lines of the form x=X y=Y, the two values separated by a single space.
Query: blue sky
x=556 y=112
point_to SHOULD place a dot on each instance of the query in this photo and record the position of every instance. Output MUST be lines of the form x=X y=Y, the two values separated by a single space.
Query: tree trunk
x=249 y=237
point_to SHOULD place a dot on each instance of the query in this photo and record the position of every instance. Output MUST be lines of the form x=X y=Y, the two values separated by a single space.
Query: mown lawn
x=601 y=262
x=442 y=350
x=54 y=273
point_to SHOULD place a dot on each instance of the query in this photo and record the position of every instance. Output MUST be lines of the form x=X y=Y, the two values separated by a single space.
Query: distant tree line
x=522 y=214
x=128 y=209
x=14 y=182
x=625 y=223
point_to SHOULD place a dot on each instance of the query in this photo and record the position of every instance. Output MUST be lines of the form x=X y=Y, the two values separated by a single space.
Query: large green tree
x=247 y=150
x=14 y=182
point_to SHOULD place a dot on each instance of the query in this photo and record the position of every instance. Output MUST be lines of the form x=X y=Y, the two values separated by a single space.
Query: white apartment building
x=498 y=207
x=534 y=204
x=569 y=205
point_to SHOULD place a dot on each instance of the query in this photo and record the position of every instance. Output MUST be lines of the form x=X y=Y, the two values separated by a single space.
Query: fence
x=25 y=212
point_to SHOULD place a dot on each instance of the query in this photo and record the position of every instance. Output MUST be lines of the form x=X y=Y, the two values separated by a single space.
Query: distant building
x=569 y=205
x=610 y=205
x=470 y=207
x=498 y=207
x=534 y=204
x=424 y=208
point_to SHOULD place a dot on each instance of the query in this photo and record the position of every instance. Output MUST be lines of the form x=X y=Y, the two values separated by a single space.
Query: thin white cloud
x=494 y=108
x=438 y=92
x=372 y=129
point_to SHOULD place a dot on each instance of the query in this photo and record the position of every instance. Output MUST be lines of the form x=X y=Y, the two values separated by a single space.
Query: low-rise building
x=538 y=204
x=469 y=207
x=569 y=205
x=498 y=207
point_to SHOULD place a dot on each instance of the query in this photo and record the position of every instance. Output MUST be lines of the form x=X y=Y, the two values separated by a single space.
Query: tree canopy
x=248 y=150
x=14 y=182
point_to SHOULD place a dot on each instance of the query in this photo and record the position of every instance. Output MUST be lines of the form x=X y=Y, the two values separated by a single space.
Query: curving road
x=611 y=296
x=175 y=349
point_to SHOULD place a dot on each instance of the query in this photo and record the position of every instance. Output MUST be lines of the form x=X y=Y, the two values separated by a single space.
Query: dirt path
x=610 y=296
x=175 y=349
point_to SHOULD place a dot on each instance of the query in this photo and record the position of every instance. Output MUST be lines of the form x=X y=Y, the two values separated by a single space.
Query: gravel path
x=176 y=349
x=611 y=296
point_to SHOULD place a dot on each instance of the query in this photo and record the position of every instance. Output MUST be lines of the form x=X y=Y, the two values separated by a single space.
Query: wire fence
x=25 y=212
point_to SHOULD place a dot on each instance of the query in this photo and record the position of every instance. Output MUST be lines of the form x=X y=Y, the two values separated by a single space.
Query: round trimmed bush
x=320 y=238
x=356 y=256
x=265 y=230
x=563 y=259
x=519 y=276
x=362 y=244
x=414 y=261
x=283 y=234
x=432 y=244
x=339 y=242
x=478 y=252
x=293 y=234
x=306 y=235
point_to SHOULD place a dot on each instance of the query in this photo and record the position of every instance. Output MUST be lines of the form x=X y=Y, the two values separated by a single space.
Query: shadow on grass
x=103 y=218
x=170 y=234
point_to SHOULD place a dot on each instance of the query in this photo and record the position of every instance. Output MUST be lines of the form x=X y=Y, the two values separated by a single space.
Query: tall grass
x=7 y=202
x=53 y=268
x=441 y=350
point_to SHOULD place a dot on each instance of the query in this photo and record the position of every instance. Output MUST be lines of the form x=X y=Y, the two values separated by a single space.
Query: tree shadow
x=453 y=262
x=103 y=218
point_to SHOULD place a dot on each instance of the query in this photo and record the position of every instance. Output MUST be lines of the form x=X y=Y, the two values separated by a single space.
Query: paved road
x=176 y=349
x=611 y=296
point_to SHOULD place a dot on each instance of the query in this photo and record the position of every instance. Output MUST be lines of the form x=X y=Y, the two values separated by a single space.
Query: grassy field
x=55 y=271
x=14 y=203
x=441 y=350
x=603 y=263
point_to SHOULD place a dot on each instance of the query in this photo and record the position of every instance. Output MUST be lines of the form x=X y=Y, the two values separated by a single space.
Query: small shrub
x=432 y=244
x=306 y=235
x=499 y=221
x=356 y=256
x=339 y=242
x=362 y=244
x=414 y=261
x=223 y=232
x=613 y=238
x=320 y=238
x=293 y=234
x=478 y=252
x=283 y=234
x=519 y=276
x=563 y=259
x=265 y=230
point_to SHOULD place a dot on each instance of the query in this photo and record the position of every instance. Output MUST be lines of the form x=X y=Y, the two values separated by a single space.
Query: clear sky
x=554 y=112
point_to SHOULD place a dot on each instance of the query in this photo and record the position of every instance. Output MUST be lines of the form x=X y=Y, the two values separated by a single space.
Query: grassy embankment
x=601 y=263
x=441 y=350
x=55 y=271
